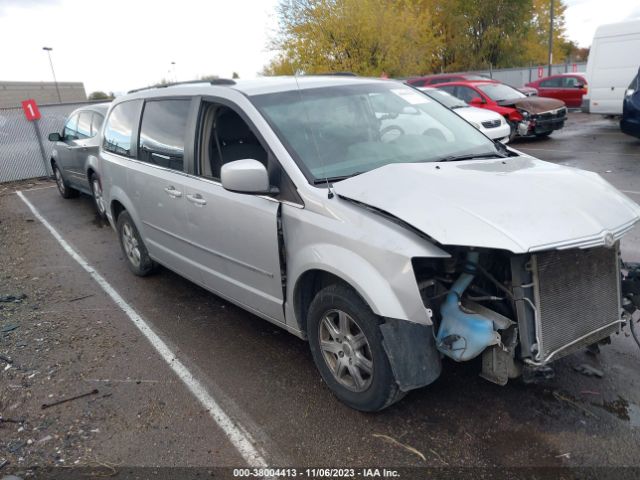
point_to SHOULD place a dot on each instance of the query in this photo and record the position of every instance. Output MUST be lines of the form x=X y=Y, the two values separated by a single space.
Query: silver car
x=74 y=156
x=369 y=219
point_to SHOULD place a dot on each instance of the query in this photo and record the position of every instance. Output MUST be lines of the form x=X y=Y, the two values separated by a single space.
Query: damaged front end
x=520 y=311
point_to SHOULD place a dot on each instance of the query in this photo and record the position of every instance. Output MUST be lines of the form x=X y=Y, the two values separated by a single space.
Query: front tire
x=134 y=249
x=346 y=344
x=65 y=190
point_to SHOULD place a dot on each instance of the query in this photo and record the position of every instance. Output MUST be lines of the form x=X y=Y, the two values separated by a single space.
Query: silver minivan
x=369 y=219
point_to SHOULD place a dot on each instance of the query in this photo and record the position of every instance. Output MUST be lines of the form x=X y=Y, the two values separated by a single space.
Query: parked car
x=387 y=253
x=526 y=115
x=630 y=123
x=568 y=87
x=74 y=158
x=430 y=80
x=613 y=62
x=492 y=124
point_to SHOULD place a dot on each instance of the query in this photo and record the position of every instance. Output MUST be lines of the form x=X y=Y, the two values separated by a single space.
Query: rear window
x=120 y=128
x=164 y=123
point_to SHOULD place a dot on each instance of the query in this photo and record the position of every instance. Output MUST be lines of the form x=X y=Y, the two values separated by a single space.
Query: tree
x=208 y=78
x=537 y=41
x=366 y=37
x=98 y=95
x=235 y=75
x=480 y=33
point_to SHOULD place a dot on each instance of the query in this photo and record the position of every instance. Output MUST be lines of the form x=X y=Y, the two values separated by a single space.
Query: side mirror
x=55 y=137
x=579 y=85
x=476 y=101
x=245 y=176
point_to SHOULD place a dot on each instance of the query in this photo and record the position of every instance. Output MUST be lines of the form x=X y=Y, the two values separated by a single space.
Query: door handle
x=196 y=199
x=172 y=192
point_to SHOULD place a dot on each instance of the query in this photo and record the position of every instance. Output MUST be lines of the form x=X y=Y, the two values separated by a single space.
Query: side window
x=449 y=89
x=467 y=94
x=96 y=123
x=226 y=137
x=162 y=133
x=118 y=134
x=70 y=131
x=551 y=83
x=570 y=82
x=84 y=125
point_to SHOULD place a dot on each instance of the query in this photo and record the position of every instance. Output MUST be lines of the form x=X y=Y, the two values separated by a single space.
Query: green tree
x=235 y=75
x=366 y=37
x=98 y=95
x=537 y=40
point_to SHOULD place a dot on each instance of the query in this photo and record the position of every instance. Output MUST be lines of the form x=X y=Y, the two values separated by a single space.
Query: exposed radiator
x=577 y=293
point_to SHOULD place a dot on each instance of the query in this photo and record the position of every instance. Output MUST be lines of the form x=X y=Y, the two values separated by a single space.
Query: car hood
x=533 y=104
x=478 y=115
x=518 y=204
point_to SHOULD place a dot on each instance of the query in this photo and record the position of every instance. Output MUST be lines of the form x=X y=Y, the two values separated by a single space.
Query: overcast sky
x=116 y=45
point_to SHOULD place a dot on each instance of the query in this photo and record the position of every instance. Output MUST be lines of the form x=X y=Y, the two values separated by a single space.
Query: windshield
x=444 y=98
x=340 y=131
x=500 y=92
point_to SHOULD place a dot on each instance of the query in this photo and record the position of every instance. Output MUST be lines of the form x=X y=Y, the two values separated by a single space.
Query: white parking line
x=236 y=434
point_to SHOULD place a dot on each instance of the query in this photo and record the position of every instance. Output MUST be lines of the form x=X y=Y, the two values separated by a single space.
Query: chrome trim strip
x=552 y=354
x=212 y=252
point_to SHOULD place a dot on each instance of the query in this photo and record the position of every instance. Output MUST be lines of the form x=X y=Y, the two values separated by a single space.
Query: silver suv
x=366 y=217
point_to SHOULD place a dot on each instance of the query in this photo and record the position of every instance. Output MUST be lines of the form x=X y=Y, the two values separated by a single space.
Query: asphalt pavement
x=264 y=379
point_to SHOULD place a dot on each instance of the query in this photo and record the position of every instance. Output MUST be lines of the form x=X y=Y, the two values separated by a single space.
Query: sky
x=118 y=45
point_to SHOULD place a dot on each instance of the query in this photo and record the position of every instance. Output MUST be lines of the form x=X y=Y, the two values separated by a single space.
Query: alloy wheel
x=130 y=242
x=346 y=350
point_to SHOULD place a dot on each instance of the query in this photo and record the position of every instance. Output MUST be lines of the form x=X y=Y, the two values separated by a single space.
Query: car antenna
x=330 y=194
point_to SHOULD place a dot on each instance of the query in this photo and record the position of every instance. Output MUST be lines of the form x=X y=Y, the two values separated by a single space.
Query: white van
x=613 y=62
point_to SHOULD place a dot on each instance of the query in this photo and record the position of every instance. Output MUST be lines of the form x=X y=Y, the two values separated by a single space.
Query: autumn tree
x=366 y=37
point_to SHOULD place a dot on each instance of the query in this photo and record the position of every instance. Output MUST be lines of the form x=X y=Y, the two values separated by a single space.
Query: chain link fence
x=20 y=155
x=518 y=77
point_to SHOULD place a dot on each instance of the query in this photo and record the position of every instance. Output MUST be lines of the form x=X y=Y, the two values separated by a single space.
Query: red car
x=568 y=87
x=430 y=80
x=526 y=115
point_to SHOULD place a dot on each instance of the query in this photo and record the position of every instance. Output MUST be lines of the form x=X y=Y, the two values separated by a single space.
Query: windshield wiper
x=457 y=158
x=319 y=181
x=458 y=106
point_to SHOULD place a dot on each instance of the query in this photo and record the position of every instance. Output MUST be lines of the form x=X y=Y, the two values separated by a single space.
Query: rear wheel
x=346 y=344
x=134 y=249
x=98 y=200
x=65 y=190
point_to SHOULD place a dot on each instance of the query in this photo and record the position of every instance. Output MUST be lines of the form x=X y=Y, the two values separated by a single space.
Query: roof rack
x=215 y=81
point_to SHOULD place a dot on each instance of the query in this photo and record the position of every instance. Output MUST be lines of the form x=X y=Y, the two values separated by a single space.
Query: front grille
x=559 y=114
x=491 y=123
x=578 y=299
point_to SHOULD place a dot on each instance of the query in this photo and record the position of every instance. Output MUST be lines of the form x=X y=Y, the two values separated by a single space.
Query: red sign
x=540 y=72
x=574 y=67
x=31 y=110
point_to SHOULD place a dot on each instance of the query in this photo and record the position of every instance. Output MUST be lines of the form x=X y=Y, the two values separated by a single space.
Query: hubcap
x=130 y=243
x=59 y=180
x=346 y=351
x=97 y=195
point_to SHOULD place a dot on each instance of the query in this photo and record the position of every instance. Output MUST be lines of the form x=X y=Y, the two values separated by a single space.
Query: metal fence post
x=36 y=127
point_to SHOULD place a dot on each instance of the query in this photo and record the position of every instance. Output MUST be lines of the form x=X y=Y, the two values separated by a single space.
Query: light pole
x=48 y=50
x=173 y=67
x=550 y=37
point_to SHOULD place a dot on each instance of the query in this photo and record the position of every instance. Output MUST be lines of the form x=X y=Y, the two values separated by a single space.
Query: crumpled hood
x=534 y=104
x=518 y=204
